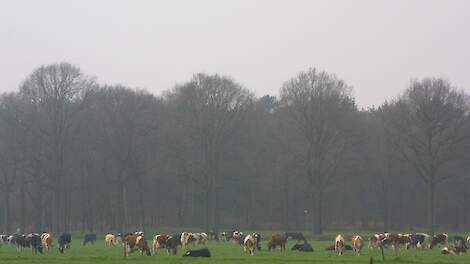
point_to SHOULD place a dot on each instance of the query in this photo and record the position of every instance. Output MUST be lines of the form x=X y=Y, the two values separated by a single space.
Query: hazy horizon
x=375 y=46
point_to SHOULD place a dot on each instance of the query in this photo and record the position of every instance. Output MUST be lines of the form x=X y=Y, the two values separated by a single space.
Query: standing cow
x=339 y=245
x=357 y=244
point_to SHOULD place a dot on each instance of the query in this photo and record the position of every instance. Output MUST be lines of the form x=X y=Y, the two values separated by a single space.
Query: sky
x=375 y=46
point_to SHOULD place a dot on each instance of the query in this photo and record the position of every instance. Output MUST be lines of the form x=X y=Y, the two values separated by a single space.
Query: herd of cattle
x=137 y=241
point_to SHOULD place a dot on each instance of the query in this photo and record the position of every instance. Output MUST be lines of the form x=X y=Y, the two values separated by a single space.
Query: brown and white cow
x=46 y=240
x=109 y=240
x=454 y=250
x=357 y=244
x=277 y=240
x=249 y=244
x=339 y=245
x=135 y=242
x=376 y=240
x=159 y=242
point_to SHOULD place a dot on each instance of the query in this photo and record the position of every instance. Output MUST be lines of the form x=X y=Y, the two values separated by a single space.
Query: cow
x=460 y=240
x=419 y=240
x=468 y=240
x=198 y=253
x=64 y=242
x=213 y=235
x=305 y=247
x=159 y=241
x=339 y=245
x=187 y=239
x=457 y=249
x=89 y=238
x=251 y=242
x=296 y=236
x=172 y=245
x=396 y=240
x=376 y=240
x=357 y=244
x=237 y=237
x=277 y=240
x=224 y=237
x=34 y=241
x=133 y=242
x=331 y=247
x=3 y=239
x=19 y=240
x=177 y=236
x=439 y=239
x=46 y=240
x=109 y=240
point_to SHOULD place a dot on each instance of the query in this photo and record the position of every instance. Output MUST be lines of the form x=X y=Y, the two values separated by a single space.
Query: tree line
x=209 y=154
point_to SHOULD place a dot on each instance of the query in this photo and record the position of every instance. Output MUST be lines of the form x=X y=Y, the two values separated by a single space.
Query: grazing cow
x=198 y=253
x=159 y=241
x=277 y=240
x=439 y=239
x=357 y=244
x=89 y=238
x=64 y=242
x=468 y=240
x=135 y=242
x=305 y=247
x=109 y=240
x=34 y=241
x=296 y=236
x=46 y=240
x=19 y=240
x=339 y=245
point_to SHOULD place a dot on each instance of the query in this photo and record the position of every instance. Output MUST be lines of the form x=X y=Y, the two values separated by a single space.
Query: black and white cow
x=305 y=247
x=439 y=239
x=34 y=241
x=64 y=242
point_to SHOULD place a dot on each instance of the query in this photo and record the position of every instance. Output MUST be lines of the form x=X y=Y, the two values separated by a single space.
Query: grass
x=226 y=253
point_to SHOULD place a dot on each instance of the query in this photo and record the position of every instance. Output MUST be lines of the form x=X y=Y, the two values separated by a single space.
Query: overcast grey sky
x=375 y=46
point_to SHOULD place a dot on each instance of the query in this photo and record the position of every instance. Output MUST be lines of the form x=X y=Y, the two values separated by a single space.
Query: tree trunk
x=6 y=197
x=125 y=214
x=431 y=207
x=318 y=228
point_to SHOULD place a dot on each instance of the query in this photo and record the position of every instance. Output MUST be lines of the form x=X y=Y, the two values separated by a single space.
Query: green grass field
x=226 y=253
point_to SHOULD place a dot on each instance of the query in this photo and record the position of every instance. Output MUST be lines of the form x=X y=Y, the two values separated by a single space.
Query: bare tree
x=428 y=125
x=213 y=106
x=51 y=90
x=321 y=107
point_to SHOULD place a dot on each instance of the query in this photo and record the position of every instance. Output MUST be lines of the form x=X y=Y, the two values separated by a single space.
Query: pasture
x=224 y=253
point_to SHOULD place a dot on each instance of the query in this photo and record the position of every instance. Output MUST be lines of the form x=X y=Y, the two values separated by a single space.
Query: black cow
x=89 y=238
x=198 y=253
x=177 y=236
x=296 y=236
x=64 y=242
x=34 y=241
x=305 y=247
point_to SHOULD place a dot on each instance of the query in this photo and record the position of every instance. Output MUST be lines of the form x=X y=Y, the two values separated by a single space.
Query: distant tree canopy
x=209 y=154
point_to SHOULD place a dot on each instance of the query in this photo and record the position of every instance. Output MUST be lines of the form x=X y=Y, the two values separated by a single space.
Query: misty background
x=217 y=115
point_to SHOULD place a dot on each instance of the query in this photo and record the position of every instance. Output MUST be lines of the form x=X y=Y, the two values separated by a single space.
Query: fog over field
x=119 y=116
